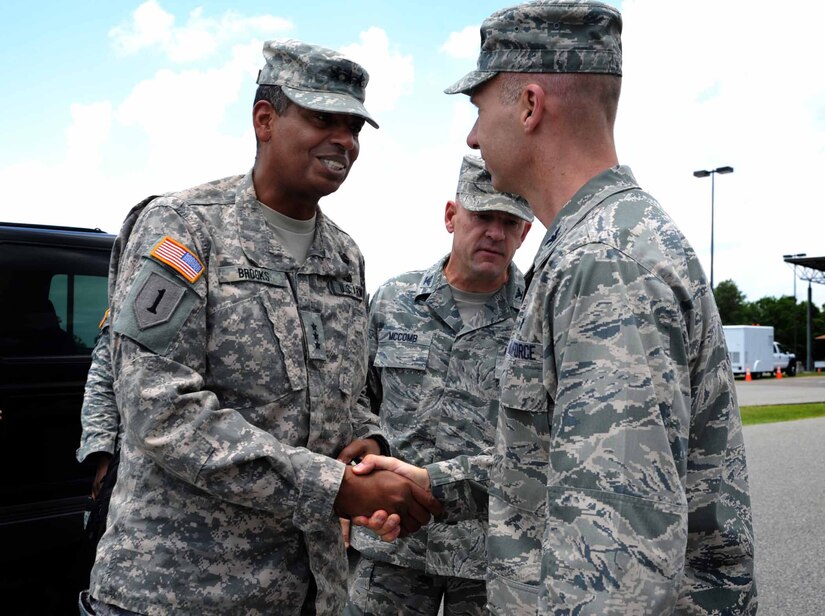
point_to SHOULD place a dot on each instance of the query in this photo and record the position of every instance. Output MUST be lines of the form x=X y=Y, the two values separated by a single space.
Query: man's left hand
x=358 y=450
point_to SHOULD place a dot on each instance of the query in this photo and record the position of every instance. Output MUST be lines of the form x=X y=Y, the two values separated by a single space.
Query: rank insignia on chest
x=314 y=335
x=179 y=258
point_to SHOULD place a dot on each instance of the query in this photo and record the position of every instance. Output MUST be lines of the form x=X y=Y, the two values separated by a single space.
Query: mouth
x=335 y=164
x=491 y=251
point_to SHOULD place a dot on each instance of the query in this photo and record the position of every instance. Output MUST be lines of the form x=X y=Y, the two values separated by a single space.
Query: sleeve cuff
x=321 y=481
x=383 y=445
x=95 y=446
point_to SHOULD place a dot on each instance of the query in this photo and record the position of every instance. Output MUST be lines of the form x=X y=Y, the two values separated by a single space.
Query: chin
x=490 y=271
x=329 y=186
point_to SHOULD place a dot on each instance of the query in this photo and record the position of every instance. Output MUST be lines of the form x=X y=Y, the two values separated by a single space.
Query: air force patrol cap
x=316 y=78
x=475 y=192
x=547 y=36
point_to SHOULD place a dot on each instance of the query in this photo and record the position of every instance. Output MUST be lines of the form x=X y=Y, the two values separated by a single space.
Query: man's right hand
x=102 y=466
x=362 y=495
x=374 y=462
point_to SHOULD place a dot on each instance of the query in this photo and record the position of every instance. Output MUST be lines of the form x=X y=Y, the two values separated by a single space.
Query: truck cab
x=783 y=360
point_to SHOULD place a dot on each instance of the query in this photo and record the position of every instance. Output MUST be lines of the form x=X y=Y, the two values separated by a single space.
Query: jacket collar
x=435 y=291
x=610 y=182
x=325 y=257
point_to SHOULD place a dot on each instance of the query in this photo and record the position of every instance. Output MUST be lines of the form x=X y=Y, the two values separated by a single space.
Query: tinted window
x=51 y=299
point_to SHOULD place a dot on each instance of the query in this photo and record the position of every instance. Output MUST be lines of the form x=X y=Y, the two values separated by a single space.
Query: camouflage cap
x=475 y=192
x=316 y=78
x=547 y=36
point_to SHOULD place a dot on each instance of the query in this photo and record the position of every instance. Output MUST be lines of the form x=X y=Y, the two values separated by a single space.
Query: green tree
x=733 y=307
x=784 y=314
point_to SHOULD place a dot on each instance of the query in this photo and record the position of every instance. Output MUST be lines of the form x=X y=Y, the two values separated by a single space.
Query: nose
x=495 y=230
x=472 y=137
x=344 y=136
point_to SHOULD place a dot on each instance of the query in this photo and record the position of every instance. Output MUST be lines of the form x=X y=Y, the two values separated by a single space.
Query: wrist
x=383 y=445
x=339 y=506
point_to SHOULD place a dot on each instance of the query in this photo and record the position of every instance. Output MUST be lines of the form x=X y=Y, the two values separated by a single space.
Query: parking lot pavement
x=786 y=466
x=788 y=390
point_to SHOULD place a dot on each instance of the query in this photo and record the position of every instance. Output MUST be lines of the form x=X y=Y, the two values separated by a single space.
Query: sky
x=105 y=103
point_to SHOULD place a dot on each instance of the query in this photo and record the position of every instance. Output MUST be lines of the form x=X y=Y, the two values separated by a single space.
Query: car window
x=79 y=302
x=52 y=299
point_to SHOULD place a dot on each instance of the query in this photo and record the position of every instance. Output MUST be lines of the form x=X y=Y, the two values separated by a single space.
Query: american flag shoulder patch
x=179 y=258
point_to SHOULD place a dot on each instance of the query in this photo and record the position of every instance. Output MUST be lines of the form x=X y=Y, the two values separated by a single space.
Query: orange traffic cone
x=748 y=375
x=778 y=372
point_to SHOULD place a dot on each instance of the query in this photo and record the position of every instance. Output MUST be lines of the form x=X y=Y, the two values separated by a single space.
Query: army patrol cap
x=315 y=77
x=475 y=192
x=546 y=36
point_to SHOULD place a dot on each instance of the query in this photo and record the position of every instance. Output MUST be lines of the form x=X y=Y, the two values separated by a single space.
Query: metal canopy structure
x=813 y=270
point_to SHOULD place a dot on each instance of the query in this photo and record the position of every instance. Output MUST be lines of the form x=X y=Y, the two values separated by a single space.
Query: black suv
x=52 y=297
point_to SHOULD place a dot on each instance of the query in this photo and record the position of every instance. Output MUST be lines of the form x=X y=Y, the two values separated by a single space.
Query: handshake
x=388 y=496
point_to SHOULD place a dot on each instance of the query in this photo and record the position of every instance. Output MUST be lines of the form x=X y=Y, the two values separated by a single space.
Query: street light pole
x=786 y=257
x=809 y=363
x=703 y=173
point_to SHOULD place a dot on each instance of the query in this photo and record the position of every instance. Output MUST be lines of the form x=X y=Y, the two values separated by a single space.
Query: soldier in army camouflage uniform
x=619 y=484
x=98 y=416
x=238 y=327
x=100 y=421
x=437 y=338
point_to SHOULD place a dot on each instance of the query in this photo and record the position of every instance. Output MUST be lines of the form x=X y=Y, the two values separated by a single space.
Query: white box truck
x=750 y=348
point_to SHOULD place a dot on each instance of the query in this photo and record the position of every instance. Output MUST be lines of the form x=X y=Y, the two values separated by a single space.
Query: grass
x=752 y=415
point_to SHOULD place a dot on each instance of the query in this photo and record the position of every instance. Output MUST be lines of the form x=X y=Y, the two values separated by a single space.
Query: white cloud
x=391 y=72
x=463 y=44
x=150 y=26
x=89 y=130
x=153 y=27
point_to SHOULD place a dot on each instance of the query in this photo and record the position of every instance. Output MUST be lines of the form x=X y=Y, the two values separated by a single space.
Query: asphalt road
x=786 y=463
x=787 y=390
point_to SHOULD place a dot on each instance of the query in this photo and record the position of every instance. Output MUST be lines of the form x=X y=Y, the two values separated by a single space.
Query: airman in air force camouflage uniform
x=237 y=367
x=619 y=484
x=437 y=338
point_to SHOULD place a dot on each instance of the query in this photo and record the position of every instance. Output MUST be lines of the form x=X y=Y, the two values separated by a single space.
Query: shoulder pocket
x=522 y=378
x=524 y=432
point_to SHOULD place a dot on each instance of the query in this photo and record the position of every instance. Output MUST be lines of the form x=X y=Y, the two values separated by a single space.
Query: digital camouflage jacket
x=237 y=374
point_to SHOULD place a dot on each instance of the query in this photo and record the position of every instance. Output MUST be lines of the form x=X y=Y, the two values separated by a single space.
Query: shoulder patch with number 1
x=179 y=258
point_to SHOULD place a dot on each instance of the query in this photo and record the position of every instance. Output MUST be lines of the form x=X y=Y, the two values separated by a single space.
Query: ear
x=531 y=106
x=527 y=226
x=449 y=214
x=262 y=117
